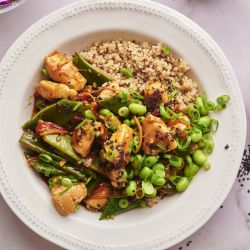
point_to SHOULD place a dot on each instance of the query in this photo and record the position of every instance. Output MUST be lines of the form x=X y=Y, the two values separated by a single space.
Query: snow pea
x=62 y=143
x=90 y=72
x=33 y=142
x=60 y=113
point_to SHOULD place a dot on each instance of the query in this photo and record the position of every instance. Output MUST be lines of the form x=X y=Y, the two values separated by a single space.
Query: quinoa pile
x=148 y=63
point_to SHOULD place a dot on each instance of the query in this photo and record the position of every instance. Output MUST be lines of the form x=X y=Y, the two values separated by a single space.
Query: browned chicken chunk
x=83 y=137
x=66 y=201
x=155 y=94
x=98 y=199
x=51 y=90
x=156 y=136
x=61 y=69
x=117 y=151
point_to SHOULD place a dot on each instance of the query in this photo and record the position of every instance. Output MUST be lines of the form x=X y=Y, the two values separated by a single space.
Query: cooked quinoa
x=148 y=64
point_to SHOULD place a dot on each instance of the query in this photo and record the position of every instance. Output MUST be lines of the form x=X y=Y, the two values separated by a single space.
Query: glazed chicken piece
x=98 y=199
x=51 y=90
x=178 y=127
x=108 y=91
x=156 y=136
x=117 y=152
x=61 y=69
x=66 y=201
x=83 y=137
x=155 y=94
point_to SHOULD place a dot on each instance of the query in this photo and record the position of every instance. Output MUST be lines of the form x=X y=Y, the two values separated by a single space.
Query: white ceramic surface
x=190 y=42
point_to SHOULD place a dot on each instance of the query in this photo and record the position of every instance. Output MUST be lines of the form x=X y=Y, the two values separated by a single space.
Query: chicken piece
x=155 y=94
x=98 y=199
x=66 y=201
x=83 y=137
x=51 y=90
x=178 y=127
x=156 y=136
x=117 y=150
x=108 y=91
x=61 y=69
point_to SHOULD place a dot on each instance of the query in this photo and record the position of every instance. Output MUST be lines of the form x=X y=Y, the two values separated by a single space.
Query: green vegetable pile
x=48 y=141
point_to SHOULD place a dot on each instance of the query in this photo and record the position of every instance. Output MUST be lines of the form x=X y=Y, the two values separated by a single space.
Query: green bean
x=164 y=114
x=159 y=169
x=123 y=112
x=224 y=99
x=148 y=188
x=205 y=122
x=127 y=122
x=201 y=105
x=104 y=112
x=156 y=180
x=145 y=173
x=137 y=109
x=182 y=184
x=199 y=157
x=153 y=194
x=137 y=161
x=196 y=135
x=89 y=114
x=191 y=170
x=209 y=146
x=130 y=174
x=150 y=161
x=131 y=188
x=123 y=203
x=207 y=166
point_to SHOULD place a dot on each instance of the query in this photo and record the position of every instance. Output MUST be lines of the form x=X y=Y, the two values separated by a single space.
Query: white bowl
x=71 y=29
x=11 y=6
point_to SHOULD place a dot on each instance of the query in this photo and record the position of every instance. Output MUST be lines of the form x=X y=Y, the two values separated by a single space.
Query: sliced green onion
x=201 y=106
x=165 y=50
x=224 y=99
x=104 y=112
x=214 y=125
x=89 y=114
x=220 y=107
x=131 y=188
x=164 y=114
x=45 y=158
x=66 y=182
x=207 y=166
x=123 y=203
x=196 y=135
x=210 y=106
x=162 y=147
x=194 y=115
x=135 y=94
x=175 y=161
x=127 y=72
x=110 y=155
x=123 y=112
x=183 y=145
x=81 y=123
x=173 y=94
x=77 y=106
